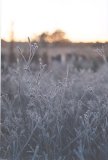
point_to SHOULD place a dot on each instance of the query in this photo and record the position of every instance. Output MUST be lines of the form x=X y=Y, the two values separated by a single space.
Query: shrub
x=47 y=116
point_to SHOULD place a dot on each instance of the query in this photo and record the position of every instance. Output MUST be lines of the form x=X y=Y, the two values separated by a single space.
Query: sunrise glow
x=82 y=20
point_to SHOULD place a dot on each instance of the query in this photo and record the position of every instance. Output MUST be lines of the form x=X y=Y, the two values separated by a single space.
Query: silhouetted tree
x=43 y=38
x=12 y=55
x=58 y=35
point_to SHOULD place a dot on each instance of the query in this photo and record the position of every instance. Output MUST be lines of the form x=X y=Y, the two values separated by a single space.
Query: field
x=59 y=113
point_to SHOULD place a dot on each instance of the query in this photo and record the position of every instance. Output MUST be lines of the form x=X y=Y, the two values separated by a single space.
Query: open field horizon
x=54 y=80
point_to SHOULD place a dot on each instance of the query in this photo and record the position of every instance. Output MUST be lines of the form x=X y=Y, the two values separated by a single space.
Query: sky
x=82 y=20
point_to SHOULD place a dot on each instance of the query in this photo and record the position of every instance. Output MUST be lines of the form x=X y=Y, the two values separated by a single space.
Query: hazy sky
x=82 y=20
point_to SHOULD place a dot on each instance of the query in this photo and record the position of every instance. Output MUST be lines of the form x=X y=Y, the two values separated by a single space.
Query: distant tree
x=58 y=35
x=12 y=55
x=59 y=38
x=43 y=38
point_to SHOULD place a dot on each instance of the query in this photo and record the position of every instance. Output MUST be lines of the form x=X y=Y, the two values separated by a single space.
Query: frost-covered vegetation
x=56 y=114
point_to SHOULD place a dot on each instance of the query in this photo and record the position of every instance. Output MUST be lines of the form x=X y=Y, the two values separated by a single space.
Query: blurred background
x=66 y=31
